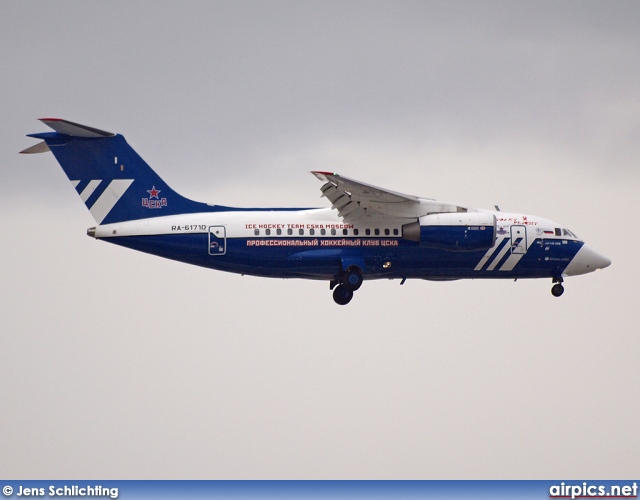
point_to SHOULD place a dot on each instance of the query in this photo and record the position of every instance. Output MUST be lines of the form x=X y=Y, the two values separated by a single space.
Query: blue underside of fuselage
x=544 y=258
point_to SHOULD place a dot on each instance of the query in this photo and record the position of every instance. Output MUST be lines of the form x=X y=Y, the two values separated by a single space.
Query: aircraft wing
x=355 y=200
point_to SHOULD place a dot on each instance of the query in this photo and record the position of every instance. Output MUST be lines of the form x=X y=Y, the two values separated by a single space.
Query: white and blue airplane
x=368 y=233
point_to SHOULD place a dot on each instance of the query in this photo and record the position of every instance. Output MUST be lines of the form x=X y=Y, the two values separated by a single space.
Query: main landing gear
x=342 y=295
x=347 y=282
x=557 y=289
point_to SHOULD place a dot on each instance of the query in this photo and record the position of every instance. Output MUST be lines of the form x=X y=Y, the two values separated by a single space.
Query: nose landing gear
x=557 y=290
x=347 y=282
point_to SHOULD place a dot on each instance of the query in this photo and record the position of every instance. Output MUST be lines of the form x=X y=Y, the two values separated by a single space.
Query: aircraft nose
x=585 y=261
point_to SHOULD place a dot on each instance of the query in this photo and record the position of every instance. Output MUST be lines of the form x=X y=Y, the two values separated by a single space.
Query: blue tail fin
x=112 y=180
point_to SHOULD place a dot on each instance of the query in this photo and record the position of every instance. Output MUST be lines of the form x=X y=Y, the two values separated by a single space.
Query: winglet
x=74 y=129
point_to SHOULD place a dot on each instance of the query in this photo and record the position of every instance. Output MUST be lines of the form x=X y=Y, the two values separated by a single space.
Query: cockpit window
x=566 y=232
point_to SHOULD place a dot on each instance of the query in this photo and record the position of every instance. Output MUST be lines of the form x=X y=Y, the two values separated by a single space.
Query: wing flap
x=341 y=201
x=348 y=209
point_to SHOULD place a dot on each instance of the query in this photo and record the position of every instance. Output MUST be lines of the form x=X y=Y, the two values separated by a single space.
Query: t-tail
x=112 y=180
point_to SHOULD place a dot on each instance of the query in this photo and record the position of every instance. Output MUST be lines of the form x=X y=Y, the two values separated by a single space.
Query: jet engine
x=455 y=232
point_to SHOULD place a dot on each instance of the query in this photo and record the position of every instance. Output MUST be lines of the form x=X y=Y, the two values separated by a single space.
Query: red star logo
x=153 y=193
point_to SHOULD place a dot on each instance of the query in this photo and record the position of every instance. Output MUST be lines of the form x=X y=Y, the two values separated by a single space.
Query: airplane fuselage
x=313 y=243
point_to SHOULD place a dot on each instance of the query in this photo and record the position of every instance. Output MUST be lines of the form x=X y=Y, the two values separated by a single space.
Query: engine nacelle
x=459 y=231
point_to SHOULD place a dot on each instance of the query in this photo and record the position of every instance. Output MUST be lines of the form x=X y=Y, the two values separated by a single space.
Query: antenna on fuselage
x=497 y=208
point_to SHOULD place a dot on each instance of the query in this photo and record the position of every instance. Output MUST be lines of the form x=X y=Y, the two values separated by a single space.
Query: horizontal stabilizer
x=74 y=129
x=41 y=147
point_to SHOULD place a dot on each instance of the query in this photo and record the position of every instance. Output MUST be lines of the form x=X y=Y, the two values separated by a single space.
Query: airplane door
x=217 y=240
x=518 y=239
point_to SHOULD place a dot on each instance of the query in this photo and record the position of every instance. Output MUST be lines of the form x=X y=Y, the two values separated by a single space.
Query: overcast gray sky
x=116 y=364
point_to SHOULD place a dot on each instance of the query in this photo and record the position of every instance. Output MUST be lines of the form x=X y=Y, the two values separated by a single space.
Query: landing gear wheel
x=557 y=290
x=353 y=278
x=342 y=295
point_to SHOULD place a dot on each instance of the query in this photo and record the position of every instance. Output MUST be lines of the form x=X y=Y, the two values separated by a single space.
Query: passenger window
x=278 y=232
x=333 y=232
x=323 y=232
x=312 y=232
x=256 y=232
x=355 y=232
x=345 y=232
x=367 y=232
x=387 y=232
x=301 y=232
x=267 y=232
x=395 y=232
x=376 y=231
x=289 y=232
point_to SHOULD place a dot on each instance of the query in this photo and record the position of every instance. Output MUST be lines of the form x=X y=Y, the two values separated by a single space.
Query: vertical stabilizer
x=112 y=180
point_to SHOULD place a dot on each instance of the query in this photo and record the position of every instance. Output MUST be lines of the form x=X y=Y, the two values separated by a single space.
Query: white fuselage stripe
x=511 y=262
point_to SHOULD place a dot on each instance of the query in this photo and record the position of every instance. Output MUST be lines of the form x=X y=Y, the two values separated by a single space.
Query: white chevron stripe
x=504 y=250
x=109 y=198
x=88 y=191
x=75 y=184
x=488 y=255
